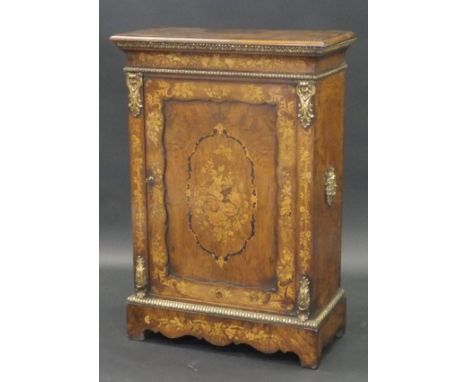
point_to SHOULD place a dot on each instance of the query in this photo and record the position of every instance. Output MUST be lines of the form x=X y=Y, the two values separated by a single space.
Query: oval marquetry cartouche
x=221 y=194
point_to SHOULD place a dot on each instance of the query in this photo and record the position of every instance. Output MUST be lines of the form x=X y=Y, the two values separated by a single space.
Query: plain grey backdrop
x=187 y=359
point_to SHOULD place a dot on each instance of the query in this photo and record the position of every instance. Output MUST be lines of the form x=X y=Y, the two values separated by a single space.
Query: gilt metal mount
x=134 y=82
x=305 y=91
x=330 y=185
x=303 y=299
x=140 y=277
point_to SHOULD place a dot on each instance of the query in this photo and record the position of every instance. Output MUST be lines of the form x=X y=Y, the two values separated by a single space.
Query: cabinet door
x=221 y=216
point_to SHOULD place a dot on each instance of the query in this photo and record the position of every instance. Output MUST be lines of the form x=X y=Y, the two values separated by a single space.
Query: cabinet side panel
x=328 y=153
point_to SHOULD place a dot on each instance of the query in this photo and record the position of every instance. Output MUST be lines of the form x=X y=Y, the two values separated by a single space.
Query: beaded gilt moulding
x=236 y=176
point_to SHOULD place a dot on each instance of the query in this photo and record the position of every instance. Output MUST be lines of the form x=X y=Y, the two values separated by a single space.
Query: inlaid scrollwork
x=220 y=61
x=220 y=332
x=305 y=180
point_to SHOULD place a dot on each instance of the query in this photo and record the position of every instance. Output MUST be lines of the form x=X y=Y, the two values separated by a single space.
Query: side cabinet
x=236 y=172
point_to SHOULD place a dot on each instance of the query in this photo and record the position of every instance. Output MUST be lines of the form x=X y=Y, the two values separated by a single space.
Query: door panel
x=220 y=214
x=219 y=230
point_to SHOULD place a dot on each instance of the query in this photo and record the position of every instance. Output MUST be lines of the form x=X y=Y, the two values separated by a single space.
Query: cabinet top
x=281 y=42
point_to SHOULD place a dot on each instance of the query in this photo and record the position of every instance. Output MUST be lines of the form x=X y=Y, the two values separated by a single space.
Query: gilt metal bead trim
x=324 y=313
x=229 y=47
x=305 y=90
x=134 y=83
x=239 y=74
x=270 y=318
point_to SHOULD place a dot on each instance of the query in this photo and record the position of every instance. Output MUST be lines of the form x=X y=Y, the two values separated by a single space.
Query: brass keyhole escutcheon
x=150 y=180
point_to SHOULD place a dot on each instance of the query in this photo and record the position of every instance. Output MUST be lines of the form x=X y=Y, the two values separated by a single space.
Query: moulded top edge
x=287 y=42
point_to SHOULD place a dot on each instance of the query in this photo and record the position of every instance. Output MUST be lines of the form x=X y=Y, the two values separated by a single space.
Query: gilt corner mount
x=305 y=91
x=134 y=83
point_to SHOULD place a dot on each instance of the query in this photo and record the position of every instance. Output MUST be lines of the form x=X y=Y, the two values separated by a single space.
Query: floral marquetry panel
x=221 y=195
x=222 y=207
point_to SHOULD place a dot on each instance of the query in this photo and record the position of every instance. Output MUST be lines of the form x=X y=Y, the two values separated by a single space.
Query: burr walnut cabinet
x=236 y=144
